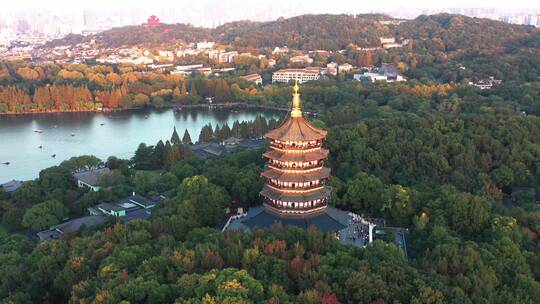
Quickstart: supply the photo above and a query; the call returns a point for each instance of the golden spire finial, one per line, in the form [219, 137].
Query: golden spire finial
[296, 112]
[296, 87]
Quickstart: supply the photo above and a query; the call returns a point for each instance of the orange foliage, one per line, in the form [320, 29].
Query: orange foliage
[277, 248]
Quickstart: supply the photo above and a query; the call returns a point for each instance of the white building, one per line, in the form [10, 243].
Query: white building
[227, 57]
[188, 67]
[372, 77]
[345, 68]
[89, 179]
[165, 53]
[302, 75]
[205, 45]
[282, 50]
[256, 78]
[385, 40]
[304, 59]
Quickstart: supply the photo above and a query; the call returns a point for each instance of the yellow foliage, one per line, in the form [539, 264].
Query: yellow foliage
[76, 262]
[102, 297]
[70, 74]
[28, 73]
[430, 89]
[114, 78]
[232, 284]
[208, 299]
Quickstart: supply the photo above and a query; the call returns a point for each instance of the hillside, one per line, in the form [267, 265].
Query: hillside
[307, 32]
[329, 32]
[444, 47]
[141, 35]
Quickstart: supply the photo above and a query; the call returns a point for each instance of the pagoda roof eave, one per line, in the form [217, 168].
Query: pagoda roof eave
[271, 173]
[294, 157]
[296, 129]
[271, 193]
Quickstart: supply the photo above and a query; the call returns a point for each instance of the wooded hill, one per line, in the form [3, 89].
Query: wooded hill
[329, 32]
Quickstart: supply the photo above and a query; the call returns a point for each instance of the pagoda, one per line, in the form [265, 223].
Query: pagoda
[153, 21]
[295, 174]
[295, 193]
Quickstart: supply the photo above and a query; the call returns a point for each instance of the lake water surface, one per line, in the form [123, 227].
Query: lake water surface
[99, 134]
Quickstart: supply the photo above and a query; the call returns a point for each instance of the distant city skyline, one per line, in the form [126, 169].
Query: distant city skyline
[239, 7]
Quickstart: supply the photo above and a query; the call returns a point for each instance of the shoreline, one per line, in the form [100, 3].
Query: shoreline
[175, 107]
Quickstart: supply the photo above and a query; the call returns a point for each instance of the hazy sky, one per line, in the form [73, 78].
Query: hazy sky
[316, 5]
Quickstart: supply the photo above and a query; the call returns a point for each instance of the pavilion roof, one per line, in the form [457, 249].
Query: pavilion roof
[296, 129]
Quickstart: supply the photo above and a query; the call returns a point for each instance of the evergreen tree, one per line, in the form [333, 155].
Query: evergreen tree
[259, 126]
[236, 129]
[193, 89]
[186, 139]
[159, 154]
[175, 139]
[225, 131]
[217, 134]
[183, 92]
[222, 92]
[206, 133]
[172, 154]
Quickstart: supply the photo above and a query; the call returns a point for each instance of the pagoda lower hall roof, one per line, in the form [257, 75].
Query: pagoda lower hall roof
[271, 173]
[330, 220]
[296, 129]
[271, 193]
[296, 157]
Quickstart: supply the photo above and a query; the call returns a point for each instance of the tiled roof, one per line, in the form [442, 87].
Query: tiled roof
[57, 232]
[324, 222]
[140, 214]
[91, 177]
[11, 186]
[296, 129]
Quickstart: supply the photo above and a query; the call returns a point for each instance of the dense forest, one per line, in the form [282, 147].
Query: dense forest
[433, 155]
[436, 159]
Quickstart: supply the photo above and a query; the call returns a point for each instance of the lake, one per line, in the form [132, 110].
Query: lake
[100, 134]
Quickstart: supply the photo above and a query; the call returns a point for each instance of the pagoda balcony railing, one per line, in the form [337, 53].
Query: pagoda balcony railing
[293, 189]
[294, 166]
[296, 206]
[296, 147]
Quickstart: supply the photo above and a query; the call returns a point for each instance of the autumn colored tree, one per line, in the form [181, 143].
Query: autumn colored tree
[186, 139]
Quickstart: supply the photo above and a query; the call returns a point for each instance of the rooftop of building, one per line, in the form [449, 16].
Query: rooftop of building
[90, 177]
[11, 186]
[306, 71]
[71, 226]
[130, 203]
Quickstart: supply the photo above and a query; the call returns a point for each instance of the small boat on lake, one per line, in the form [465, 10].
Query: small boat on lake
[72, 134]
[38, 131]
[40, 147]
[6, 163]
[102, 124]
[53, 156]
